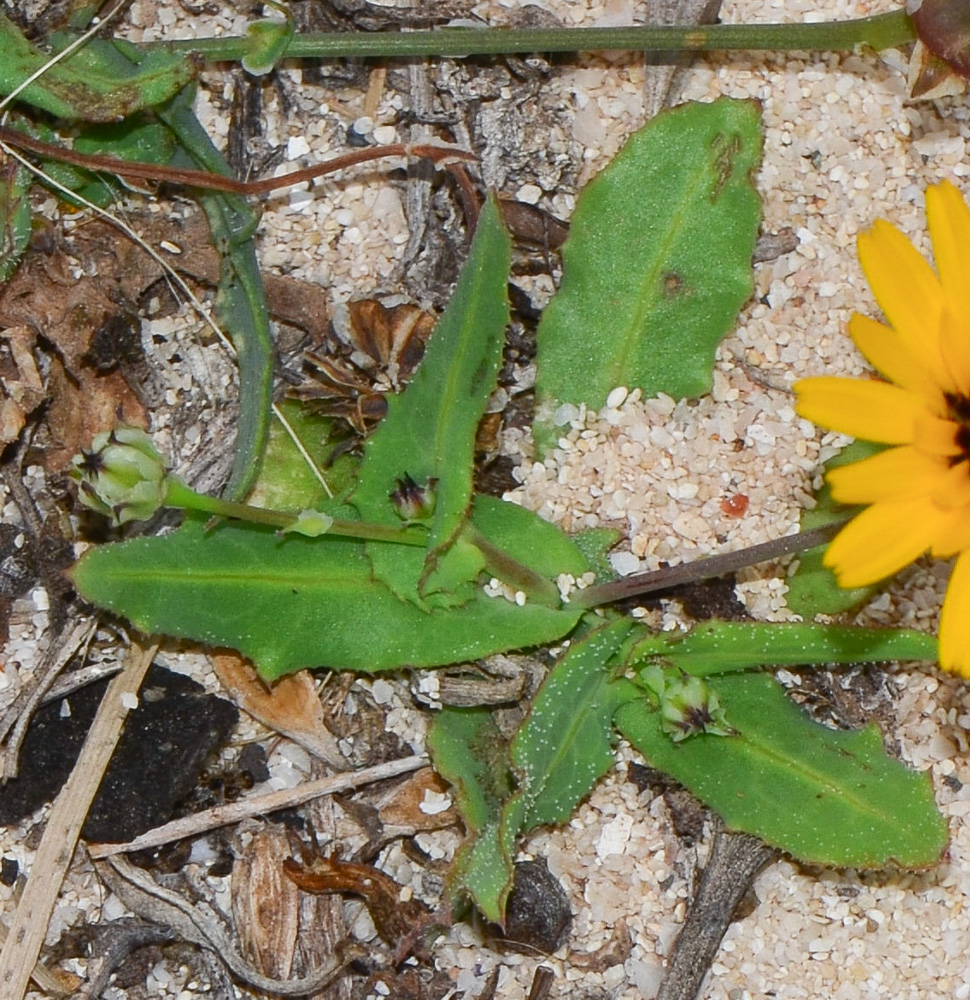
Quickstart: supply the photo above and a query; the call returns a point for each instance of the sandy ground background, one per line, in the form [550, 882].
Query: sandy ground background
[843, 147]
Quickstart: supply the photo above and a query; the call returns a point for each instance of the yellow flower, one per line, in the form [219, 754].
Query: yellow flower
[918, 491]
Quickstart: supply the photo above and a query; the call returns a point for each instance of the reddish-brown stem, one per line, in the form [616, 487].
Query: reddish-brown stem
[445, 156]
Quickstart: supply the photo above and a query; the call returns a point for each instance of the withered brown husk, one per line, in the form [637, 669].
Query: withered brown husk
[377, 353]
[943, 27]
[396, 919]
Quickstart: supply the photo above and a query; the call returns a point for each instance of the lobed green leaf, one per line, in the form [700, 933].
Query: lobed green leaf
[561, 750]
[105, 80]
[429, 430]
[470, 752]
[296, 602]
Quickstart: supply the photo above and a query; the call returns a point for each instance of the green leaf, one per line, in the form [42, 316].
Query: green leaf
[658, 260]
[532, 541]
[429, 430]
[562, 748]
[297, 602]
[138, 138]
[470, 753]
[565, 744]
[268, 43]
[102, 81]
[812, 588]
[595, 544]
[286, 481]
[827, 797]
[718, 647]
[15, 227]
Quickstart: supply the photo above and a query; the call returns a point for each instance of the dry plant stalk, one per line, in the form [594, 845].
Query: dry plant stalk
[53, 858]
[257, 805]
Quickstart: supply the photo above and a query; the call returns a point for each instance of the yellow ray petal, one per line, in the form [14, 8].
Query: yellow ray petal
[875, 411]
[952, 490]
[890, 354]
[955, 620]
[935, 436]
[955, 346]
[895, 474]
[881, 541]
[953, 533]
[908, 292]
[949, 223]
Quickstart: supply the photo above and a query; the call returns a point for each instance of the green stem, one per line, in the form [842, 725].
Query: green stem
[702, 569]
[879, 32]
[179, 495]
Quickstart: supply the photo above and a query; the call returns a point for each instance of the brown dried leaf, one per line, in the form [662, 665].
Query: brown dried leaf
[396, 918]
[46, 297]
[375, 350]
[82, 405]
[22, 389]
[291, 707]
[411, 806]
[393, 337]
[265, 904]
[91, 275]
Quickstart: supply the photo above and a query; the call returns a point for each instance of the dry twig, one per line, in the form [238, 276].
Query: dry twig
[53, 858]
[258, 805]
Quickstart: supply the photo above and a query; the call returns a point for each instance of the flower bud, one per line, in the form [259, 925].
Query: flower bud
[413, 502]
[122, 476]
[689, 706]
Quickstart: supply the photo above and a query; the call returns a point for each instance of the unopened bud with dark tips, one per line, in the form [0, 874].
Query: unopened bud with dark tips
[413, 503]
[689, 706]
[122, 476]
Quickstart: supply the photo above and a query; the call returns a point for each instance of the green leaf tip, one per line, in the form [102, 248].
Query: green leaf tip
[268, 42]
[428, 435]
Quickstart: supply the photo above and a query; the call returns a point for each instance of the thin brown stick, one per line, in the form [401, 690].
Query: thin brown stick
[53, 857]
[704, 569]
[441, 155]
[258, 805]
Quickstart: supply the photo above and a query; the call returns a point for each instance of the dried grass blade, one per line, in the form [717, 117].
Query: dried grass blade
[53, 858]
